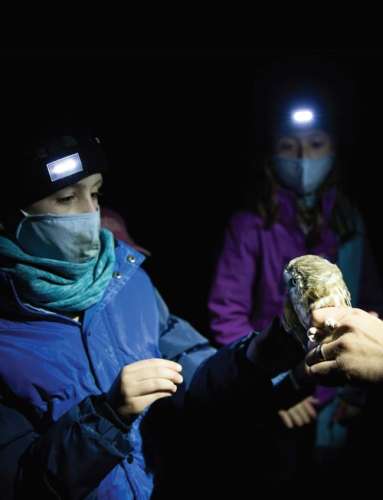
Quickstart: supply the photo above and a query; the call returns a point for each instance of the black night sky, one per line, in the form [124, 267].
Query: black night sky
[177, 127]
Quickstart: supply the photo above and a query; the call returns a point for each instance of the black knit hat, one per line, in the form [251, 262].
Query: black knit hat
[36, 167]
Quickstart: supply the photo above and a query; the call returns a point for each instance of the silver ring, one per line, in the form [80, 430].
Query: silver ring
[319, 354]
[316, 355]
[322, 352]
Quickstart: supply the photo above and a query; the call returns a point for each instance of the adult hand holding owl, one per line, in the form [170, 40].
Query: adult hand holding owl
[354, 353]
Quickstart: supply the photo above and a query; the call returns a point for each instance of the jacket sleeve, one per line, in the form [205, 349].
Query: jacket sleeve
[68, 459]
[210, 376]
[229, 377]
[180, 342]
[231, 295]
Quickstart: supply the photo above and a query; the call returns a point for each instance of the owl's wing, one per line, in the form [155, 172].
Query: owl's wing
[292, 324]
[290, 318]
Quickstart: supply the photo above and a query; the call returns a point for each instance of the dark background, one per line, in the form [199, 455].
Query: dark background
[178, 129]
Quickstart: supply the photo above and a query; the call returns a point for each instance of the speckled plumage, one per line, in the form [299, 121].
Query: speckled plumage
[312, 282]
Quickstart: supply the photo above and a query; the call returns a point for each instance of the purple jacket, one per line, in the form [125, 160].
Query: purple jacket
[248, 290]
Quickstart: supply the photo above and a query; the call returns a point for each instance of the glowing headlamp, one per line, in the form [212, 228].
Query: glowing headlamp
[68, 165]
[302, 117]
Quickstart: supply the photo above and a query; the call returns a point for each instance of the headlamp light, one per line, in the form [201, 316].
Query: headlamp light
[63, 167]
[302, 117]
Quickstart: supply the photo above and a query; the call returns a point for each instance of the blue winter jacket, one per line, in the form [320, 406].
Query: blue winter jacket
[59, 435]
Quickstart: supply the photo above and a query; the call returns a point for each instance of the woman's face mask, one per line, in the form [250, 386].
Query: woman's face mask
[302, 161]
[303, 175]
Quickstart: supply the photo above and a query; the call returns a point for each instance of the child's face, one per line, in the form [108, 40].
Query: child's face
[312, 144]
[81, 197]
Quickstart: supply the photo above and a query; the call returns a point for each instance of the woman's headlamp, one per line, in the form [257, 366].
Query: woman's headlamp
[303, 117]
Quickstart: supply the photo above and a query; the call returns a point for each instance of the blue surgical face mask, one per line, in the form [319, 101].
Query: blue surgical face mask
[302, 175]
[71, 238]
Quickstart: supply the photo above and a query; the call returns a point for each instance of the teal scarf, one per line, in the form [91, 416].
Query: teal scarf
[57, 285]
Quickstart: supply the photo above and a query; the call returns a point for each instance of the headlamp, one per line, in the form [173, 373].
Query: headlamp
[61, 168]
[302, 117]
[48, 163]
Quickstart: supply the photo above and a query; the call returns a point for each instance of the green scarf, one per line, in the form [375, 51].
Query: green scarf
[57, 285]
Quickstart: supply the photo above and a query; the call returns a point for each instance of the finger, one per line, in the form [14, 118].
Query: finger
[286, 419]
[158, 372]
[151, 386]
[300, 410]
[329, 351]
[328, 374]
[324, 368]
[152, 363]
[140, 403]
[313, 401]
[374, 313]
[320, 316]
[310, 409]
[316, 355]
[295, 416]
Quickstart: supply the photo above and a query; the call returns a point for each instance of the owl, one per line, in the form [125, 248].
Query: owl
[312, 282]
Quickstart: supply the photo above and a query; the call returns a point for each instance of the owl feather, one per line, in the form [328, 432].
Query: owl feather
[312, 283]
